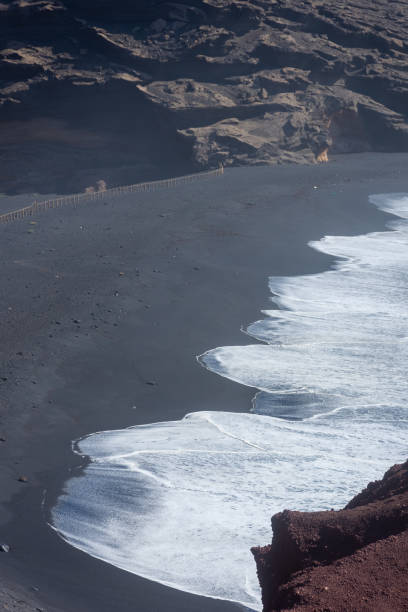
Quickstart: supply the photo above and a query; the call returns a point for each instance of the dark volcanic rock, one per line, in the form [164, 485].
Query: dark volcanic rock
[351, 559]
[155, 87]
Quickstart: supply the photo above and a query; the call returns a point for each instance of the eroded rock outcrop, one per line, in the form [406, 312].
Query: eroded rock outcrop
[146, 88]
[351, 559]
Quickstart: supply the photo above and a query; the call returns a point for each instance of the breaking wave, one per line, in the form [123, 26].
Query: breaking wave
[182, 502]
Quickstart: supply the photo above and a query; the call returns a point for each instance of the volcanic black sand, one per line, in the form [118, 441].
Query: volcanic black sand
[97, 302]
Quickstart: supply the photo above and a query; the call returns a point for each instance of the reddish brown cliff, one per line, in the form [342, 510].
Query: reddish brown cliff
[351, 559]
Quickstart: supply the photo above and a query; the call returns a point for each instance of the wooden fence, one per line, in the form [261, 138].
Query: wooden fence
[74, 200]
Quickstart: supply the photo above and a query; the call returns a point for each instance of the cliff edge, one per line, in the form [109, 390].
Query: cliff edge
[355, 559]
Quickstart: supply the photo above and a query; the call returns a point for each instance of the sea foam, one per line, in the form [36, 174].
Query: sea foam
[182, 502]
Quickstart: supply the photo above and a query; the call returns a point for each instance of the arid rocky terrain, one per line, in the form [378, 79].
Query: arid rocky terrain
[352, 559]
[135, 90]
[151, 88]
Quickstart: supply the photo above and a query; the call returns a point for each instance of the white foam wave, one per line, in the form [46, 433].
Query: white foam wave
[182, 502]
[187, 503]
[339, 337]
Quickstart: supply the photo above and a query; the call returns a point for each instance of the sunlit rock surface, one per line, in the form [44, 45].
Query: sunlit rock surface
[155, 88]
[352, 559]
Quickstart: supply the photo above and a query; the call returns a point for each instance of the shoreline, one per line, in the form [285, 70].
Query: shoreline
[218, 253]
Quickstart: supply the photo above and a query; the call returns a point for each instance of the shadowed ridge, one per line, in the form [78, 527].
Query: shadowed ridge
[155, 89]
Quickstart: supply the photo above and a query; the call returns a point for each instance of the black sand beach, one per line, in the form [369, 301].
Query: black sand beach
[100, 301]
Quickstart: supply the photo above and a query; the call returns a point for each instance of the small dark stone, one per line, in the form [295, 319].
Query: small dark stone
[22, 479]
[151, 383]
[2, 439]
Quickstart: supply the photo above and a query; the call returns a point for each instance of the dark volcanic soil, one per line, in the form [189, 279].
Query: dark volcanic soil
[354, 559]
[97, 301]
[152, 87]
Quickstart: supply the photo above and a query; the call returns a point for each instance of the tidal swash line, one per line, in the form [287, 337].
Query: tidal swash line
[182, 502]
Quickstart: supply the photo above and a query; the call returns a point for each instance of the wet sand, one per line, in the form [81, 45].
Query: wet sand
[98, 302]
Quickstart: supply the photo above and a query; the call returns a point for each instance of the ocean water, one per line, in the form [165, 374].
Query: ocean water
[182, 502]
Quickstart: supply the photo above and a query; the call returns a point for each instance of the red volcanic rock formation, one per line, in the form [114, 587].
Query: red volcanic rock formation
[354, 559]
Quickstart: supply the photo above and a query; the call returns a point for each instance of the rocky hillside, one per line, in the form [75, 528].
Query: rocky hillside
[126, 90]
[352, 559]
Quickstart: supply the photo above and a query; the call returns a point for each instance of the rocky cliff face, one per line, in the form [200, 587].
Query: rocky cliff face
[352, 559]
[125, 90]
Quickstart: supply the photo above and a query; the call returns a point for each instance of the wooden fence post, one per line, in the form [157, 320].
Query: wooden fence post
[75, 199]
